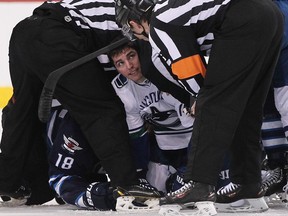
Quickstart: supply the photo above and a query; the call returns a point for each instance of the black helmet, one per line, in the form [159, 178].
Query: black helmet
[126, 10]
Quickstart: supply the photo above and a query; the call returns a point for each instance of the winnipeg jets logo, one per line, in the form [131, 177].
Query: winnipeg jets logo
[70, 144]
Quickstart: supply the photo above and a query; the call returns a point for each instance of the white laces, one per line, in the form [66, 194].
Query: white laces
[145, 184]
[185, 187]
[272, 177]
[228, 188]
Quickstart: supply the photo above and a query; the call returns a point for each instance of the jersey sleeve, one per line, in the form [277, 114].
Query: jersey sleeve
[177, 46]
[134, 121]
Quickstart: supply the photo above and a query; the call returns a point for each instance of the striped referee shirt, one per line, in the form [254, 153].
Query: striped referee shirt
[96, 15]
[181, 32]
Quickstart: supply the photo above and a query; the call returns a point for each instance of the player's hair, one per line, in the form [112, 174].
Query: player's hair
[119, 49]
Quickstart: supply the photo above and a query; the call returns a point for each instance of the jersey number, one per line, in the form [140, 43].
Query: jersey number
[65, 163]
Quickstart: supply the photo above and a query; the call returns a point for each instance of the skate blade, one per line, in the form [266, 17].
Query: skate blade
[130, 203]
[189, 209]
[13, 202]
[277, 199]
[243, 205]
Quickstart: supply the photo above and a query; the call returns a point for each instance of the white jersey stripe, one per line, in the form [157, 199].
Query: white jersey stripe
[173, 51]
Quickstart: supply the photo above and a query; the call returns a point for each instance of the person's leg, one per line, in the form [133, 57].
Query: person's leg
[21, 127]
[238, 61]
[88, 95]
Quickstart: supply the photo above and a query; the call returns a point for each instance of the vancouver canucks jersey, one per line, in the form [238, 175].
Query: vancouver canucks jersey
[144, 102]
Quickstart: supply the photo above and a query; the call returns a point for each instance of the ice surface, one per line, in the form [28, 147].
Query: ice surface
[52, 208]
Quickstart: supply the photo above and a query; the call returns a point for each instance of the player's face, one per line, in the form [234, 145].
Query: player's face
[128, 64]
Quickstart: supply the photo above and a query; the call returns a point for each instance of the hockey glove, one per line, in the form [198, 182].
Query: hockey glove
[98, 196]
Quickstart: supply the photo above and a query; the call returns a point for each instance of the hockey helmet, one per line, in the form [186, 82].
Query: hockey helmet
[126, 10]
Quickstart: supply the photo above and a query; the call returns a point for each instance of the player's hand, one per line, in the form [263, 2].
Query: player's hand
[193, 108]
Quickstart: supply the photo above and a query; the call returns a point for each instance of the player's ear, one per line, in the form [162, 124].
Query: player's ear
[134, 25]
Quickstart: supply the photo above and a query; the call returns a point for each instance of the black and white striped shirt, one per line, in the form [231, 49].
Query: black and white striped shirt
[182, 32]
[95, 15]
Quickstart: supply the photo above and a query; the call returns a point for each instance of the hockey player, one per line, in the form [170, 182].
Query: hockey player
[167, 117]
[74, 170]
[229, 104]
[56, 34]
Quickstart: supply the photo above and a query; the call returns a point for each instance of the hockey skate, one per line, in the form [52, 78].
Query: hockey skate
[137, 197]
[15, 198]
[194, 198]
[241, 198]
[275, 181]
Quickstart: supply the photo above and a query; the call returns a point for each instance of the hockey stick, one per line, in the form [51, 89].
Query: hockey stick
[46, 97]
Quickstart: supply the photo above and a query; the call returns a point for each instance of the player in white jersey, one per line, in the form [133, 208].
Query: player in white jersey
[145, 103]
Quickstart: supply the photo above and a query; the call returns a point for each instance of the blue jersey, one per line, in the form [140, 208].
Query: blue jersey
[275, 121]
[74, 170]
[280, 79]
[281, 73]
[72, 163]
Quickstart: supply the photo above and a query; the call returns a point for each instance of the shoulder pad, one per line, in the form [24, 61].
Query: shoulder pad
[120, 81]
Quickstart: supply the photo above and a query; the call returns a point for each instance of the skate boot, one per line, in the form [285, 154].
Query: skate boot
[141, 196]
[192, 195]
[15, 198]
[241, 198]
[174, 182]
[273, 181]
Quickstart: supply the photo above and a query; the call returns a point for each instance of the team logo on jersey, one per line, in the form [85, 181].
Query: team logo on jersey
[70, 144]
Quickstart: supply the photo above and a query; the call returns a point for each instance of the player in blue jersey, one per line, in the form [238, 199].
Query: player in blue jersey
[75, 172]
[58, 33]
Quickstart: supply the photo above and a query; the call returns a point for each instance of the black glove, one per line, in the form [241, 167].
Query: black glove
[99, 196]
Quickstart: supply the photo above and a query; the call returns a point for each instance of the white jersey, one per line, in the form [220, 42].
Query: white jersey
[145, 102]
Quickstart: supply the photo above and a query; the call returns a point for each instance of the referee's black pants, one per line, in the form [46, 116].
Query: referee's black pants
[229, 105]
[39, 45]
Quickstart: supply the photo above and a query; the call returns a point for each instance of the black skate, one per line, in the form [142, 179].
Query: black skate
[137, 197]
[15, 198]
[273, 181]
[241, 198]
[191, 195]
